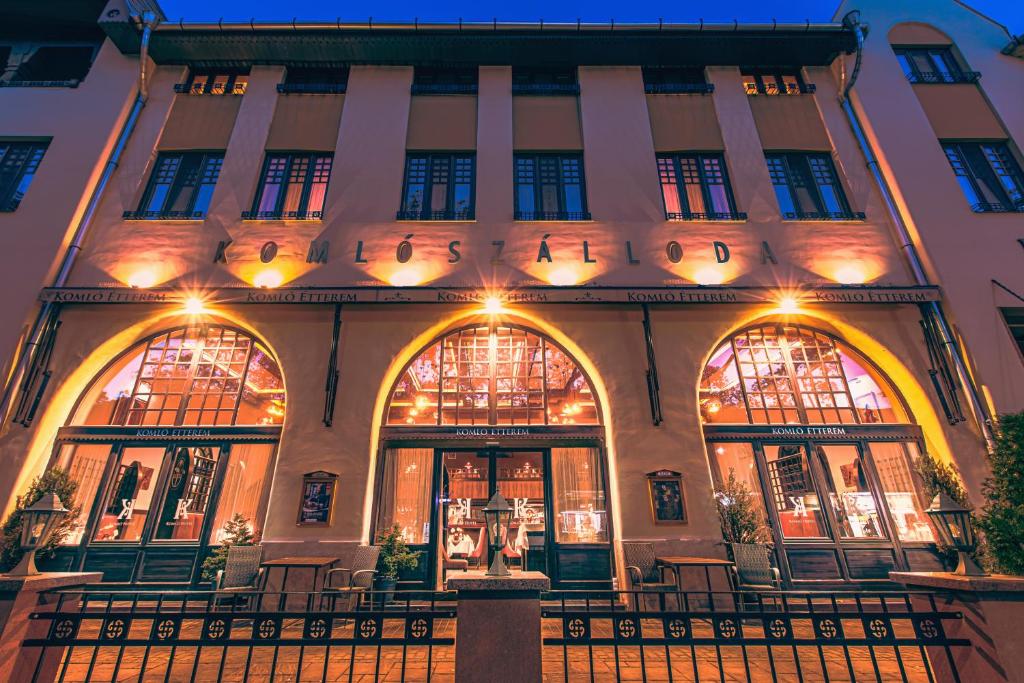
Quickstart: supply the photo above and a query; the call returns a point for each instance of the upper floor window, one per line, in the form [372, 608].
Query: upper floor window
[1014, 318]
[988, 175]
[314, 80]
[550, 187]
[181, 186]
[293, 185]
[695, 187]
[214, 82]
[932, 65]
[807, 187]
[772, 82]
[47, 65]
[544, 81]
[438, 187]
[427, 80]
[18, 164]
[665, 80]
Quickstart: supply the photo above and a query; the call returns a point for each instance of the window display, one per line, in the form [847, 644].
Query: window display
[852, 500]
[405, 494]
[187, 493]
[793, 492]
[893, 462]
[130, 499]
[84, 463]
[579, 497]
[243, 487]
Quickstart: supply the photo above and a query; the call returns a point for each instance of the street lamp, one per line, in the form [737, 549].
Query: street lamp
[953, 523]
[40, 519]
[497, 514]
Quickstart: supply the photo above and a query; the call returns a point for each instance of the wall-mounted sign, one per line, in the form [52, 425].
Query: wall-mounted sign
[668, 505]
[316, 503]
[592, 294]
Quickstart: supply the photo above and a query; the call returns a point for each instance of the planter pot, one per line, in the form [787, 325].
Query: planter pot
[385, 589]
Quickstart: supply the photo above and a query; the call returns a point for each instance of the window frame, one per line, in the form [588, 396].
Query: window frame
[232, 84]
[426, 213]
[532, 80]
[805, 173]
[953, 73]
[302, 212]
[688, 215]
[303, 80]
[777, 85]
[665, 80]
[21, 179]
[538, 214]
[206, 156]
[1007, 158]
[427, 80]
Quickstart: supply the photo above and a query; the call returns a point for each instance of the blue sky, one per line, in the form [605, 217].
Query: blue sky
[1008, 12]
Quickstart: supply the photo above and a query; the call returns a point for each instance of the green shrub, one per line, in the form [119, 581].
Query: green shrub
[394, 554]
[52, 481]
[236, 532]
[739, 513]
[1002, 517]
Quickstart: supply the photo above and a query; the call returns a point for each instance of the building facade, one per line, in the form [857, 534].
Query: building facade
[344, 278]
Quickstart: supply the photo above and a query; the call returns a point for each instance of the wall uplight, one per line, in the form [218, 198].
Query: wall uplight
[142, 279]
[850, 275]
[564, 277]
[268, 278]
[788, 304]
[493, 305]
[194, 306]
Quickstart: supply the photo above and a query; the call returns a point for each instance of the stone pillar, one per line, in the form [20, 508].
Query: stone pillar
[991, 608]
[20, 596]
[497, 636]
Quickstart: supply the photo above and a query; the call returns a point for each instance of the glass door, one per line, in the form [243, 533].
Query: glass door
[466, 488]
[520, 475]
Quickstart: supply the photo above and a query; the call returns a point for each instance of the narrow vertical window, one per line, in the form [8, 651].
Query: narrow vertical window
[18, 164]
[550, 187]
[696, 187]
[293, 186]
[438, 187]
[180, 187]
[807, 187]
[988, 175]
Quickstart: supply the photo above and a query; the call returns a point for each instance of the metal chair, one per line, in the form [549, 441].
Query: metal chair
[355, 580]
[241, 575]
[644, 573]
[753, 571]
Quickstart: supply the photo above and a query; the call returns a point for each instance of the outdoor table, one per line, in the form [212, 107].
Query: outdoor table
[677, 563]
[303, 562]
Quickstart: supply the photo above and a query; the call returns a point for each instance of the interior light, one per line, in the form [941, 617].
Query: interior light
[493, 305]
[788, 304]
[268, 279]
[142, 279]
[194, 306]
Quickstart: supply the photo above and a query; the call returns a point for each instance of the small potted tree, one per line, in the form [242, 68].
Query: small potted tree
[738, 514]
[236, 532]
[394, 557]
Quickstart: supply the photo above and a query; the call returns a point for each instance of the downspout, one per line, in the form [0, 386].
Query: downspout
[31, 347]
[947, 340]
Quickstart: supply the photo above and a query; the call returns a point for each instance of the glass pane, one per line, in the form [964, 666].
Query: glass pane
[415, 184]
[570, 398]
[737, 459]
[1006, 171]
[899, 485]
[128, 504]
[242, 491]
[792, 492]
[273, 178]
[414, 400]
[780, 181]
[852, 500]
[84, 463]
[525, 179]
[184, 183]
[189, 488]
[669, 186]
[520, 478]
[721, 397]
[296, 185]
[439, 176]
[466, 492]
[580, 507]
[160, 185]
[405, 495]
[905, 62]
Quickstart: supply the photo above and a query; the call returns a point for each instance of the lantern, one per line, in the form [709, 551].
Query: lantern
[953, 522]
[39, 520]
[498, 515]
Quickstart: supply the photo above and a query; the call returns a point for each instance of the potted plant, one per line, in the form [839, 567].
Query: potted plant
[394, 557]
[236, 532]
[738, 513]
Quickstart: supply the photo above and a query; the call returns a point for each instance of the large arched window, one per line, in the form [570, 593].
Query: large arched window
[198, 375]
[788, 374]
[497, 374]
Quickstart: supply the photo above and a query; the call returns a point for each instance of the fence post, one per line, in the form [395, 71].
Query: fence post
[497, 633]
[20, 596]
[992, 607]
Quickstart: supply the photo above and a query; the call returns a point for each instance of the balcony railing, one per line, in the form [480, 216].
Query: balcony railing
[204, 89]
[775, 89]
[679, 88]
[312, 88]
[545, 89]
[463, 215]
[997, 207]
[444, 88]
[824, 216]
[552, 215]
[70, 83]
[163, 215]
[937, 77]
[712, 216]
[282, 215]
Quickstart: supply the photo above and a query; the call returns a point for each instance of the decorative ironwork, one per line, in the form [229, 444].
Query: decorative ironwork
[282, 215]
[714, 216]
[552, 215]
[70, 83]
[824, 216]
[679, 88]
[163, 215]
[312, 88]
[454, 215]
[944, 77]
[996, 207]
[546, 89]
[444, 88]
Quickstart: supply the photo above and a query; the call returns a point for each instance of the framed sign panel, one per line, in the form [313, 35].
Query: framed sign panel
[316, 502]
[668, 504]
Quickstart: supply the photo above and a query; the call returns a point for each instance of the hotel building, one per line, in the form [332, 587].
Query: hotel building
[338, 277]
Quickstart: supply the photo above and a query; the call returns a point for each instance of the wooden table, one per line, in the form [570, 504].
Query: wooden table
[301, 562]
[677, 563]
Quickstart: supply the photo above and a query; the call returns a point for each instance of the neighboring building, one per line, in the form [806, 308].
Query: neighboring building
[346, 277]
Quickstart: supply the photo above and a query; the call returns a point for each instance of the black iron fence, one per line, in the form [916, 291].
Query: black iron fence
[93, 635]
[773, 636]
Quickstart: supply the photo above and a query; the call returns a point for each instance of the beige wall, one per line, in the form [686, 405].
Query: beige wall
[958, 111]
[200, 122]
[546, 123]
[684, 122]
[789, 123]
[305, 122]
[442, 122]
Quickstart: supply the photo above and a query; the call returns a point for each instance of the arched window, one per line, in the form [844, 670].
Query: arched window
[788, 374]
[497, 374]
[198, 375]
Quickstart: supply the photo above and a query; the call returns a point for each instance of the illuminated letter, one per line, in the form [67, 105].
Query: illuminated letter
[721, 252]
[317, 252]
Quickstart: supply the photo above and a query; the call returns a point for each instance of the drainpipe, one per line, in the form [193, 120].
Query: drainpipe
[28, 352]
[947, 340]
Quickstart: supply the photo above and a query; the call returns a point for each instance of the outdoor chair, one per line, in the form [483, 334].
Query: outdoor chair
[352, 582]
[241, 575]
[753, 571]
[644, 574]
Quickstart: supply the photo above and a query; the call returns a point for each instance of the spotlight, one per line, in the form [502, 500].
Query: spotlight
[268, 279]
[788, 304]
[194, 306]
[493, 305]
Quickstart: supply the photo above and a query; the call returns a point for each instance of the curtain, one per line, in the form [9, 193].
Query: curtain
[405, 494]
[579, 500]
